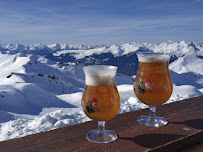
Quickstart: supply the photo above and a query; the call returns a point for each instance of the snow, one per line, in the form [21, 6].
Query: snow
[183, 92]
[39, 93]
[176, 48]
[187, 64]
[22, 127]
[72, 98]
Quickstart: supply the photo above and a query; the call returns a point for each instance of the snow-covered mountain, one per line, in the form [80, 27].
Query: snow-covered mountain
[116, 50]
[26, 49]
[41, 85]
[101, 54]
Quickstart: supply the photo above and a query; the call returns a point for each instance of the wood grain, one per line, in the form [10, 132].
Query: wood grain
[185, 130]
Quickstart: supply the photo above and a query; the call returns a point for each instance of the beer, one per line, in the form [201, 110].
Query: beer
[153, 85]
[101, 103]
[101, 100]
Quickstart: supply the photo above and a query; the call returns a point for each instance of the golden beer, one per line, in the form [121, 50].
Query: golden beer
[153, 85]
[101, 103]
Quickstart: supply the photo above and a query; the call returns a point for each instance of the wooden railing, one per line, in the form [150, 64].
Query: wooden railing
[184, 132]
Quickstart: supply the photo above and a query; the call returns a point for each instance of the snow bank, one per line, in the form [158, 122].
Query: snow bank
[22, 127]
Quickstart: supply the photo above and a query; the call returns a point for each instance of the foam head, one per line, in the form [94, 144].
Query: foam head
[153, 57]
[99, 75]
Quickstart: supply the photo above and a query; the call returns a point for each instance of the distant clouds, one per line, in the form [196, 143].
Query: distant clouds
[100, 21]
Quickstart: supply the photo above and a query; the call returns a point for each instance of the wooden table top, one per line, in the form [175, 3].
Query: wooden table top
[184, 132]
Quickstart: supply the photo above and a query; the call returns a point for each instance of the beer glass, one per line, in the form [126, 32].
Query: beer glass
[101, 100]
[153, 85]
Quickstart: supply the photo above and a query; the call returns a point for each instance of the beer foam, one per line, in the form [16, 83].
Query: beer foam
[153, 58]
[99, 75]
[99, 81]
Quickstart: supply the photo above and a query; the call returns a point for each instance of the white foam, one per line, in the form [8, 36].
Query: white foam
[153, 58]
[100, 75]
[99, 81]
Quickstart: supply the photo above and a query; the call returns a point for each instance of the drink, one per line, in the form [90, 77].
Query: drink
[101, 103]
[153, 85]
[155, 77]
[100, 100]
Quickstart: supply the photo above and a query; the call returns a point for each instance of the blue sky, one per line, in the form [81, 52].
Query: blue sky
[100, 21]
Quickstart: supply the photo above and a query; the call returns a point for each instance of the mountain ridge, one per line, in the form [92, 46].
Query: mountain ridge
[116, 49]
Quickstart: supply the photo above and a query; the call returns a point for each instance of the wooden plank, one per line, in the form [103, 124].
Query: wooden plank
[196, 148]
[185, 126]
[180, 144]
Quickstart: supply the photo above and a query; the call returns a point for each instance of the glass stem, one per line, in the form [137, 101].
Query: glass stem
[152, 113]
[101, 126]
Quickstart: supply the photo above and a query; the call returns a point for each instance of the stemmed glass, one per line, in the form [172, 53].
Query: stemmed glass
[153, 85]
[101, 100]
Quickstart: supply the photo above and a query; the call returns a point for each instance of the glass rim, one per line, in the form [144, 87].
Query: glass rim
[153, 57]
[100, 67]
[154, 53]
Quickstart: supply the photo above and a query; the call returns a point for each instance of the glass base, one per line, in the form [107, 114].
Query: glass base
[101, 137]
[152, 121]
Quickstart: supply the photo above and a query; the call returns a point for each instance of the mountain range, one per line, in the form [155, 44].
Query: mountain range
[41, 86]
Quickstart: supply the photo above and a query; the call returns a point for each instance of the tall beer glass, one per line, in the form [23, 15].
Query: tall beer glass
[153, 85]
[100, 100]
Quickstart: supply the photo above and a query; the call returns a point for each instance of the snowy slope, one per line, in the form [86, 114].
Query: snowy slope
[186, 64]
[41, 86]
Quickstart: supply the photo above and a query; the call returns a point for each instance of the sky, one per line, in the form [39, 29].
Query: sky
[100, 21]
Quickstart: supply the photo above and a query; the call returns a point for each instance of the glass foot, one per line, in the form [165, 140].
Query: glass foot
[152, 121]
[101, 137]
